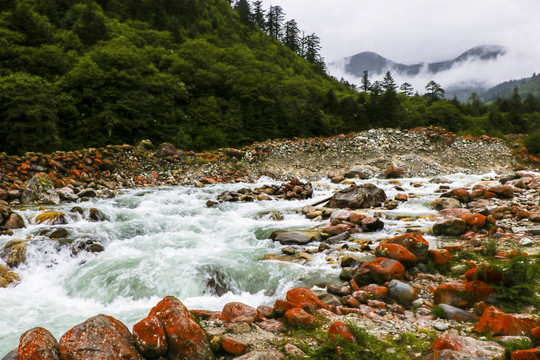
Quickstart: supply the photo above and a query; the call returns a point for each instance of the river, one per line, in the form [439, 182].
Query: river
[166, 241]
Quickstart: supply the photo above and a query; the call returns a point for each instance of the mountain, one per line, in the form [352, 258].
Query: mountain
[525, 86]
[376, 64]
[195, 73]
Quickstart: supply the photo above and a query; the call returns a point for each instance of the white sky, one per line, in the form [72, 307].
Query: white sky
[413, 31]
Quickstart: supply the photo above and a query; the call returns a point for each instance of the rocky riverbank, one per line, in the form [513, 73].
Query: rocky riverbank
[474, 297]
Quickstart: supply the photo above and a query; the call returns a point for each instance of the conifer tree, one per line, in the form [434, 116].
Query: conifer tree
[291, 37]
[365, 82]
[243, 9]
[274, 22]
[258, 14]
[406, 89]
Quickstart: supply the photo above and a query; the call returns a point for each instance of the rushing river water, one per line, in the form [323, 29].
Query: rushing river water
[165, 241]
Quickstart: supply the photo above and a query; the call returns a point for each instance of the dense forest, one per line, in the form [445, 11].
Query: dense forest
[199, 74]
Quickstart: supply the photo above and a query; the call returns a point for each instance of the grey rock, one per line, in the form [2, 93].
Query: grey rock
[262, 355]
[89, 193]
[295, 237]
[445, 203]
[450, 227]
[358, 197]
[457, 314]
[403, 293]
[67, 194]
[40, 190]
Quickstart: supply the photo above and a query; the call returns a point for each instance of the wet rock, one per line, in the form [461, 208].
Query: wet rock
[338, 290]
[87, 193]
[60, 233]
[445, 203]
[373, 291]
[266, 311]
[305, 299]
[40, 190]
[339, 329]
[88, 245]
[297, 317]
[235, 311]
[459, 194]
[186, 340]
[14, 253]
[472, 219]
[150, 337]
[51, 218]
[100, 337]
[450, 227]
[382, 269]
[295, 237]
[414, 242]
[457, 314]
[358, 197]
[96, 215]
[372, 224]
[462, 345]
[396, 252]
[496, 322]
[7, 276]
[38, 343]
[12, 355]
[403, 293]
[14, 221]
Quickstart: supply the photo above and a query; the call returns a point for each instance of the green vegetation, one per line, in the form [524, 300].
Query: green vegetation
[438, 312]
[198, 74]
[366, 347]
[532, 142]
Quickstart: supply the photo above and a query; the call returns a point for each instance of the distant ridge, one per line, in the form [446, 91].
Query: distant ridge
[376, 64]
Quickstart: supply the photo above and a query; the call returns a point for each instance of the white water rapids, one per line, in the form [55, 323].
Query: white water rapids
[165, 241]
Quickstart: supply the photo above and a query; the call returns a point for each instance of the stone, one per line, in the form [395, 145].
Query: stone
[297, 317]
[185, 339]
[401, 197]
[472, 219]
[372, 291]
[440, 256]
[383, 269]
[403, 293]
[274, 326]
[51, 218]
[100, 337]
[60, 233]
[460, 194]
[14, 221]
[304, 298]
[371, 224]
[496, 322]
[262, 355]
[150, 337]
[266, 311]
[530, 354]
[341, 330]
[488, 275]
[396, 252]
[7, 276]
[479, 291]
[40, 191]
[12, 355]
[14, 253]
[452, 294]
[167, 149]
[450, 227]
[295, 237]
[293, 351]
[67, 194]
[87, 193]
[445, 203]
[414, 242]
[233, 310]
[468, 345]
[358, 197]
[233, 346]
[503, 191]
[38, 344]
[457, 314]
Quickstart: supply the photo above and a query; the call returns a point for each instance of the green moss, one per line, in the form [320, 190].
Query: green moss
[438, 312]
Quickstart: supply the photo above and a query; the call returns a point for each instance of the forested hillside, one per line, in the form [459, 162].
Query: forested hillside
[89, 73]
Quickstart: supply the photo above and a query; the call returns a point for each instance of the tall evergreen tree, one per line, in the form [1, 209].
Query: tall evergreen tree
[291, 37]
[243, 9]
[274, 22]
[406, 89]
[366, 85]
[434, 91]
[312, 47]
[258, 14]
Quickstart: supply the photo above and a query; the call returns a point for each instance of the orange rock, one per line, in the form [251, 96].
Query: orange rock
[150, 337]
[233, 310]
[496, 322]
[478, 290]
[38, 344]
[384, 269]
[341, 329]
[297, 317]
[440, 256]
[396, 252]
[233, 346]
[376, 292]
[477, 220]
[531, 354]
[305, 299]
[451, 293]
[413, 242]
[281, 306]
[488, 275]
[462, 347]
[186, 340]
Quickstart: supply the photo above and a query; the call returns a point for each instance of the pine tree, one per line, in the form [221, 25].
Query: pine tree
[243, 9]
[312, 47]
[406, 89]
[434, 91]
[366, 85]
[258, 14]
[291, 38]
[274, 22]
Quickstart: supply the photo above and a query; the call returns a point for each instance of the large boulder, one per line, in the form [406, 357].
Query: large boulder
[396, 252]
[358, 197]
[237, 311]
[14, 253]
[497, 322]
[414, 242]
[383, 269]
[445, 203]
[186, 340]
[100, 337]
[40, 190]
[402, 292]
[7, 276]
[150, 338]
[14, 221]
[295, 237]
[453, 294]
[38, 344]
[450, 227]
[305, 299]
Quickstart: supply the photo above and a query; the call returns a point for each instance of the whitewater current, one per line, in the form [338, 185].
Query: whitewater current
[166, 241]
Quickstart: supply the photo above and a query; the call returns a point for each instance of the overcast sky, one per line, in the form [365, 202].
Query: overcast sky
[413, 31]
